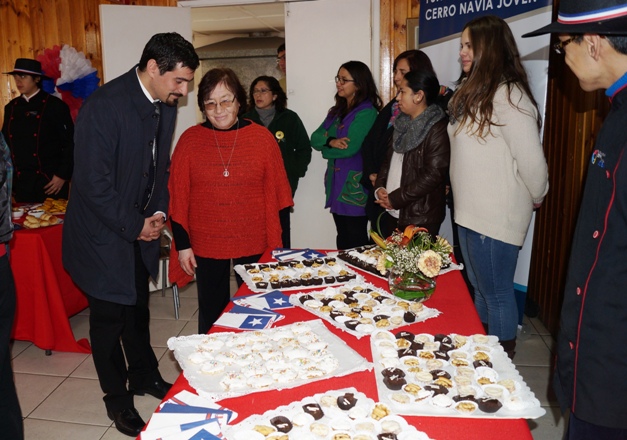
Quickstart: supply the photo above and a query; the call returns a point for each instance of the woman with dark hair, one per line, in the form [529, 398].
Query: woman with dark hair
[225, 194]
[268, 107]
[411, 184]
[339, 138]
[375, 146]
[498, 170]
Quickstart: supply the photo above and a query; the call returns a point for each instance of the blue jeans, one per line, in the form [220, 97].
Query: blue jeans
[490, 265]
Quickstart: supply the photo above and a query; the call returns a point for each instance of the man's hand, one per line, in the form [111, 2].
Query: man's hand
[152, 227]
[188, 261]
[54, 186]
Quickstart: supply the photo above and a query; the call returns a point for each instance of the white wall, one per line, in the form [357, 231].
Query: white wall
[122, 49]
[320, 36]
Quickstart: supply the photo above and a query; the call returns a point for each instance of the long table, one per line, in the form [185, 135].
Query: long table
[46, 295]
[451, 297]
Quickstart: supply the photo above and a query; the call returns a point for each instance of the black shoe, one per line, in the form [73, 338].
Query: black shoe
[127, 421]
[158, 388]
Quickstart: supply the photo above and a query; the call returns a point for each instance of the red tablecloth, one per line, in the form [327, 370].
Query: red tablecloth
[458, 316]
[46, 295]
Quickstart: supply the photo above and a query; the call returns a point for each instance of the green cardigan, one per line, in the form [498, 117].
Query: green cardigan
[289, 132]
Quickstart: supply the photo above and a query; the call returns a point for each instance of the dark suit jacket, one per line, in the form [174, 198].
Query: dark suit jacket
[112, 157]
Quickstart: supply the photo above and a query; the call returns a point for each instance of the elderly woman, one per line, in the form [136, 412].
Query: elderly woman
[225, 194]
[411, 184]
[268, 107]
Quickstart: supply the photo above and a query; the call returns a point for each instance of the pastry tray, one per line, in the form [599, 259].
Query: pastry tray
[360, 308]
[296, 275]
[365, 419]
[500, 381]
[227, 364]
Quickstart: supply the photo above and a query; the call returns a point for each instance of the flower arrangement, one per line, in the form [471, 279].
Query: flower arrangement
[413, 251]
[412, 259]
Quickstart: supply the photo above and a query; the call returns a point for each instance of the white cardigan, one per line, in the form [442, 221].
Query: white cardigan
[497, 180]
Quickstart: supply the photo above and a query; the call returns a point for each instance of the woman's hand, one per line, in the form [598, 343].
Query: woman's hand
[340, 144]
[188, 261]
[382, 199]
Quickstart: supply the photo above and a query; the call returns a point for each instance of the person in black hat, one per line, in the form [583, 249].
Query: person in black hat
[39, 130]
[591, 367]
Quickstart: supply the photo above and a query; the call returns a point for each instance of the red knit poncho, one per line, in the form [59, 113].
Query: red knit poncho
[234, 216]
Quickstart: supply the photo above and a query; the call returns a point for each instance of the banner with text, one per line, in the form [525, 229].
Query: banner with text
[441, 18]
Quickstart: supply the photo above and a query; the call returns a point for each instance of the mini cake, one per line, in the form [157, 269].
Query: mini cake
[346, 401]
[440, 373]
[314, 410]
[387, 372]
[405, 335]
[481, 363]
[488, 405]
[401, 398]
[394, 382]
[281, 423]
[319, 429]
[409, 316]
[264, 430]
[436, 389]
[379, 411]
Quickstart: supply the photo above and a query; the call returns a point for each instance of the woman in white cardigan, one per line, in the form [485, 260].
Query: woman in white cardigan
[498, 169]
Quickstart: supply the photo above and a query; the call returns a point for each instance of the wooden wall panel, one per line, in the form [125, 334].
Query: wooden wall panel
[31, 26]
[393, 33]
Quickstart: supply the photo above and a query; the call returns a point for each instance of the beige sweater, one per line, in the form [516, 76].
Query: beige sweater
[496, 181]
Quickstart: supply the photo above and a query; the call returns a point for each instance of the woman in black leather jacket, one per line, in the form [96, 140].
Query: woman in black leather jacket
[411, 184]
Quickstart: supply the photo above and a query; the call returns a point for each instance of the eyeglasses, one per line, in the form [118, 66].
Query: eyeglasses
[559, 46]
[260, 91]
[225, 104]
[343, 81]
[281, 58]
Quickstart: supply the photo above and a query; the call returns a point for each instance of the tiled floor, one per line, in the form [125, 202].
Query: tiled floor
[61, 399]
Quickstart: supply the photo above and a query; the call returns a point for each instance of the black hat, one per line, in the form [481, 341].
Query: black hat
[603, 17]
[28, 66]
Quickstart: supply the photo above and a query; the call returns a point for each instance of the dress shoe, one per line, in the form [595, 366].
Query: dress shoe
[127, 421]
[157, 388]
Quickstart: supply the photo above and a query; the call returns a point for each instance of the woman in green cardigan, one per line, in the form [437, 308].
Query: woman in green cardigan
[268, 107]
[339, 139]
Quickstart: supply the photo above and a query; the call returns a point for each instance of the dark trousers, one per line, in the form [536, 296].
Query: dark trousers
[11, 427]
[108, 324]
[213, 283]
[351, 231]
[284, 218]
[581, 430]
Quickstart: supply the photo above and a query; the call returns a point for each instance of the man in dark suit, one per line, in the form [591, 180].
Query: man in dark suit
[116, 213]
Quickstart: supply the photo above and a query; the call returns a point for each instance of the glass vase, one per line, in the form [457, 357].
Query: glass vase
[411, 286]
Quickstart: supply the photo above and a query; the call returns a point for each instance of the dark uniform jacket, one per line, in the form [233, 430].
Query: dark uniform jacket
[113, 155]
[40, 134]
[591, 369]
[421, 197]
